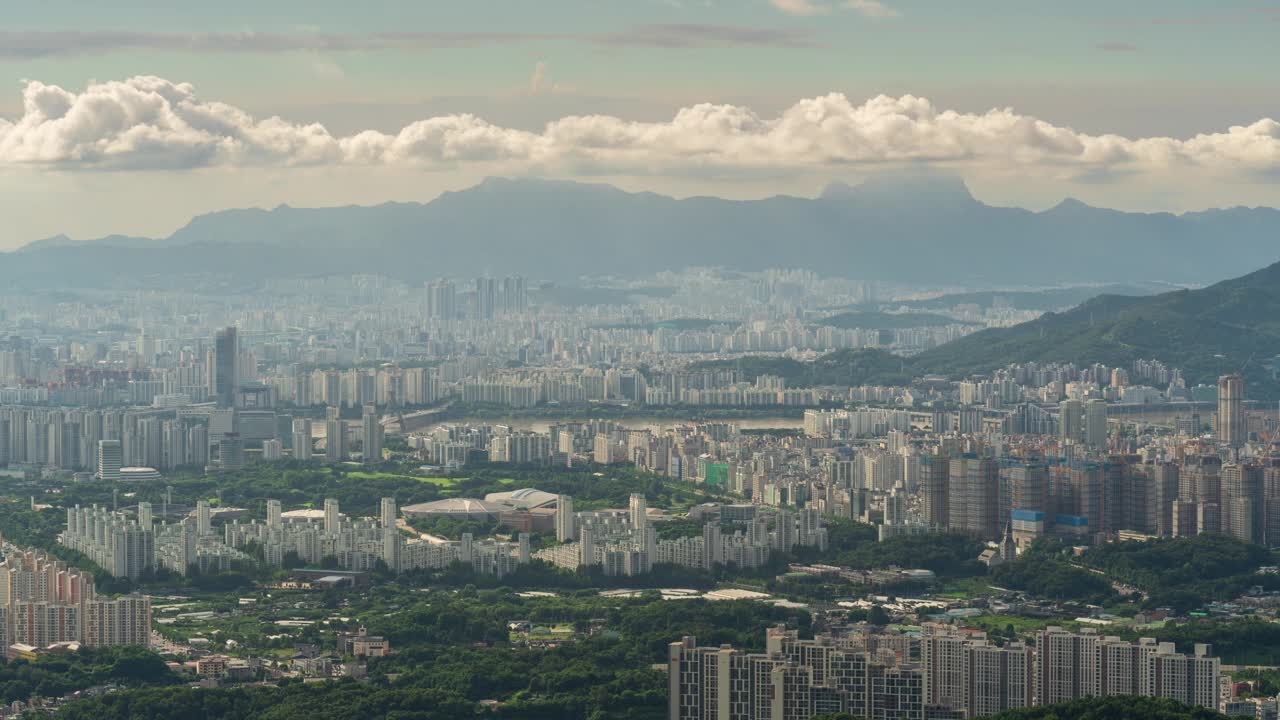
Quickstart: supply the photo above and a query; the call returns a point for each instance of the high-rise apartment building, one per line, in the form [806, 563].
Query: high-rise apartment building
[332, 517]
[968, 673]
[1231, 428]
[935, 474]
[1095, 423]
[301, 437]
[335, 435]
[1242, 506]
[872, 675]
[638, 512]
[514, 298]
[486, 298]
[973, 497]
[566, 527]
[1070, 666]
[1071, 421]
[442, 301]
[371, 431]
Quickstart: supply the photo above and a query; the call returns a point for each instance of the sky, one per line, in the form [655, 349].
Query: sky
[131, 117]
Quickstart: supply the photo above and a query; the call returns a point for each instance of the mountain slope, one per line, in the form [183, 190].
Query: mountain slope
[876, 320]
[1208, 332]
[1043, 300]
[894, 228]
[1232, 326]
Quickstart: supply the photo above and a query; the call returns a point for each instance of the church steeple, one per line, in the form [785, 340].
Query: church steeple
[1008, 548]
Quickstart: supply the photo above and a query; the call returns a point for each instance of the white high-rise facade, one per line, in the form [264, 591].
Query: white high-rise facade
[638, 512]
[566, 531]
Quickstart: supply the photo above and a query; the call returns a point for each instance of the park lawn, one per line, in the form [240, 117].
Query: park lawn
[1021, 625]
[439, 481]
[966, 589]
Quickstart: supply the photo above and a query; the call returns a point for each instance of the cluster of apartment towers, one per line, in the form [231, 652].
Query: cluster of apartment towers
[129, 546]
[45, 603]
[941, 673]
[626, 543]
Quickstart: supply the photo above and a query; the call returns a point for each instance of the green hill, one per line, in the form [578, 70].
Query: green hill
[1212, 331]
[876, 320]
[843, 367]
[1208, 332]
[1043, 300]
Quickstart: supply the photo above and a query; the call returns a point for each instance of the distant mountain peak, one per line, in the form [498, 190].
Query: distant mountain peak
[1071, 204]
[898, 188]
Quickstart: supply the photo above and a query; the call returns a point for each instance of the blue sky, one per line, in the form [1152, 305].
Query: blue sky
[1139, 69]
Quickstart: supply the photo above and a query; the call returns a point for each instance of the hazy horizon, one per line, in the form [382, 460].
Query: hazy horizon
[625, 187]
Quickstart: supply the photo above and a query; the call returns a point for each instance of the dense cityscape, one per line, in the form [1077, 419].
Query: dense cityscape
[564, 360]
[738, 467]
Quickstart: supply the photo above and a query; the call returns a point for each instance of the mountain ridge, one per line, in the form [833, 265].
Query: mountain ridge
[897, 229]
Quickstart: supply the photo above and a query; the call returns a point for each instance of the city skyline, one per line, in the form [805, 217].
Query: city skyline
[139, 118]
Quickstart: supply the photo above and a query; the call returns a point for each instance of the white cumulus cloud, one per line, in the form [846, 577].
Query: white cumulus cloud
[799, 7]
[152, 123]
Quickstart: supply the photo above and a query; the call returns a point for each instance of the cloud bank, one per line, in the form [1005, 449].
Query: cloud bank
[869, 8]
[57, 43]
[149, 123]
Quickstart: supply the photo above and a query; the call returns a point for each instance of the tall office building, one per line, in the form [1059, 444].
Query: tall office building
[1231, 428]
[372, 435]
[110, 460]
[226, 367]
[231, 452]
